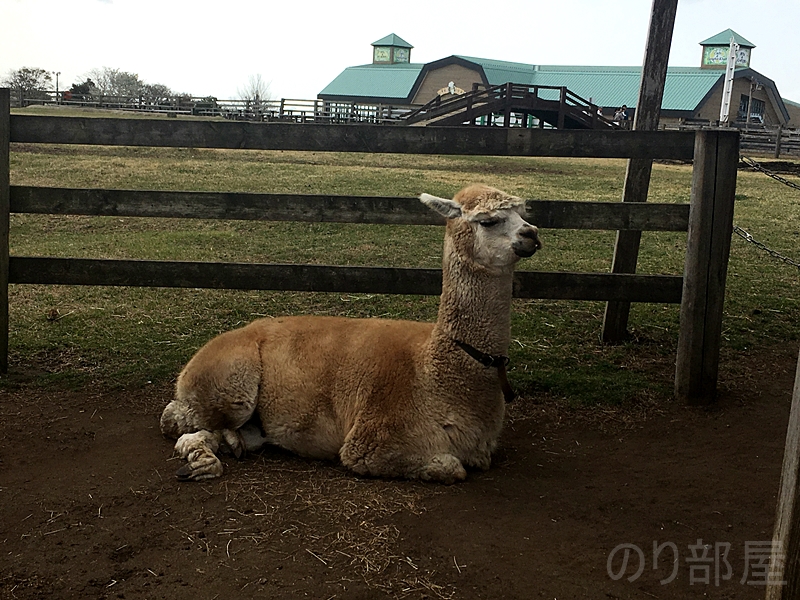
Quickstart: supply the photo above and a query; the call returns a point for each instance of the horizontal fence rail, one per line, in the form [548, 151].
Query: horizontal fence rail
[474, 141]
[546, 214]
[326, 278]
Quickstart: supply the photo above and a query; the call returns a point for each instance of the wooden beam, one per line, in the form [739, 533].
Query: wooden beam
[323, 278]
[474, 141]
[637, 176]
[5, 199]
[707, 250]
[224, 205]
[783, 581]
[566, 214]
[546, 214]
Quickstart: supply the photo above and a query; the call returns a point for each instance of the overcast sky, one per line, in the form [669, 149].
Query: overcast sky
[212, 48]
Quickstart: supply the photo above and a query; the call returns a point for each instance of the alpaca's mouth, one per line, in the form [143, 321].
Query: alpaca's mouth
[527, 248]
[524, 252]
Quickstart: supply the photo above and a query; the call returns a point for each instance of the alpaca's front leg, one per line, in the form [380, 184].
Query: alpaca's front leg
[199, 450]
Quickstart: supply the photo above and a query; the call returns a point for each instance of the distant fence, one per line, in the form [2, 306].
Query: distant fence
[759, 139]
[297, 111]
[771, 140]
[708, 218]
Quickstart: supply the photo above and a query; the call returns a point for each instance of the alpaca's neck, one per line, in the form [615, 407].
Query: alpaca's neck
[475, 306]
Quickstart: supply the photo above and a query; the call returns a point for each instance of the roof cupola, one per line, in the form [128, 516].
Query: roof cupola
[716, 48]
[390, 50]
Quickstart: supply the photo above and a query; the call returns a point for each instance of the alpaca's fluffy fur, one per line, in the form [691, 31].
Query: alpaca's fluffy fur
[387, 398]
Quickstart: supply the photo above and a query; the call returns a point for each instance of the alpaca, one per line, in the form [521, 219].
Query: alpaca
[387, 398]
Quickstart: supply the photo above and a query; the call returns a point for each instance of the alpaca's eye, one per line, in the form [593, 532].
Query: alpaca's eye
[489, 222]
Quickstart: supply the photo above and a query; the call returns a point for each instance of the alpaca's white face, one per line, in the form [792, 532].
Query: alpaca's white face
[502, 237]
[498, 233]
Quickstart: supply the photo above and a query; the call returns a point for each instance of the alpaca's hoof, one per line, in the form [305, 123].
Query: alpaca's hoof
[184, 473]
[201, 465]
[198, 449]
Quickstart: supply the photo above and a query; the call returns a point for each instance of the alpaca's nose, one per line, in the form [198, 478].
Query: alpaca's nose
[532, 232]
[528, 242]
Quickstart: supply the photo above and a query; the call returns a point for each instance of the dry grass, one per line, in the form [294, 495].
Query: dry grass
[343, 522]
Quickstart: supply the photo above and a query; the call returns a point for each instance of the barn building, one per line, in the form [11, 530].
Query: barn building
[692, 94]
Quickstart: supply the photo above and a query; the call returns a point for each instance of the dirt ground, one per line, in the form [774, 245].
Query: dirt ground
[90, 507]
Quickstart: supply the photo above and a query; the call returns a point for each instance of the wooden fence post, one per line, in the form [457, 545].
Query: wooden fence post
[716, 157]
[783, 582]
[5, 202]
[507, 106]
[637, 175]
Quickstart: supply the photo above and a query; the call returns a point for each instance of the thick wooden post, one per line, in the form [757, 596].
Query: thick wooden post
[5, 203]
[637, 176]
[716, 156]
[783, 582]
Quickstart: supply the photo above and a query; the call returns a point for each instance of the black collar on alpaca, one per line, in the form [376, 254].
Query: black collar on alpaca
[499, 362]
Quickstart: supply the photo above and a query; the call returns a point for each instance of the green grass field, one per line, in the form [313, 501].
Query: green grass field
[131, 337]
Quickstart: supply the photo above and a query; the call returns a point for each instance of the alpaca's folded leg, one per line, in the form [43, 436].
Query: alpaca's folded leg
[389, 462]
[248, 438]
[251, 437]
[199, 449]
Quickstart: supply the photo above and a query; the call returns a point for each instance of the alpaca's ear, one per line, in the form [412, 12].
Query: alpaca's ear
[449, 209]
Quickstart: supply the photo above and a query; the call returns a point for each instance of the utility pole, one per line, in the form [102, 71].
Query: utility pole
[637, 175]
[725, 108]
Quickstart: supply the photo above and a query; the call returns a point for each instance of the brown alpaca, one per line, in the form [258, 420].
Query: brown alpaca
[387, 398]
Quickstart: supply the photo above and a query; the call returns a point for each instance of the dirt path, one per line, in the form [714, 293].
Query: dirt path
[89, 508]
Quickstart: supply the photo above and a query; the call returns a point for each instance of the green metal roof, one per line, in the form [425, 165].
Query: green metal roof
[605, 86]
[375, 81]
[724, 38]
[392, 40]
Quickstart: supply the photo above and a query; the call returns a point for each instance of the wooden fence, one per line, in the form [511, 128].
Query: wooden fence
[757, 139]
[283, 109]
[708, 218]
[771, 140]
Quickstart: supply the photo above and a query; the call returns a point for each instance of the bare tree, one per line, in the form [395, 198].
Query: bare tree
[256, 94]
[114, 82]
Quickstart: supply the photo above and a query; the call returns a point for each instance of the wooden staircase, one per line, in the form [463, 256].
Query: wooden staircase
[555, 106]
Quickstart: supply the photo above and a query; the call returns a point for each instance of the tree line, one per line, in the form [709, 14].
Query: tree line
[37, 84]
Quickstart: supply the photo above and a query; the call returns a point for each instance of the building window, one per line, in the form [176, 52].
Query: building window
[757, 108]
